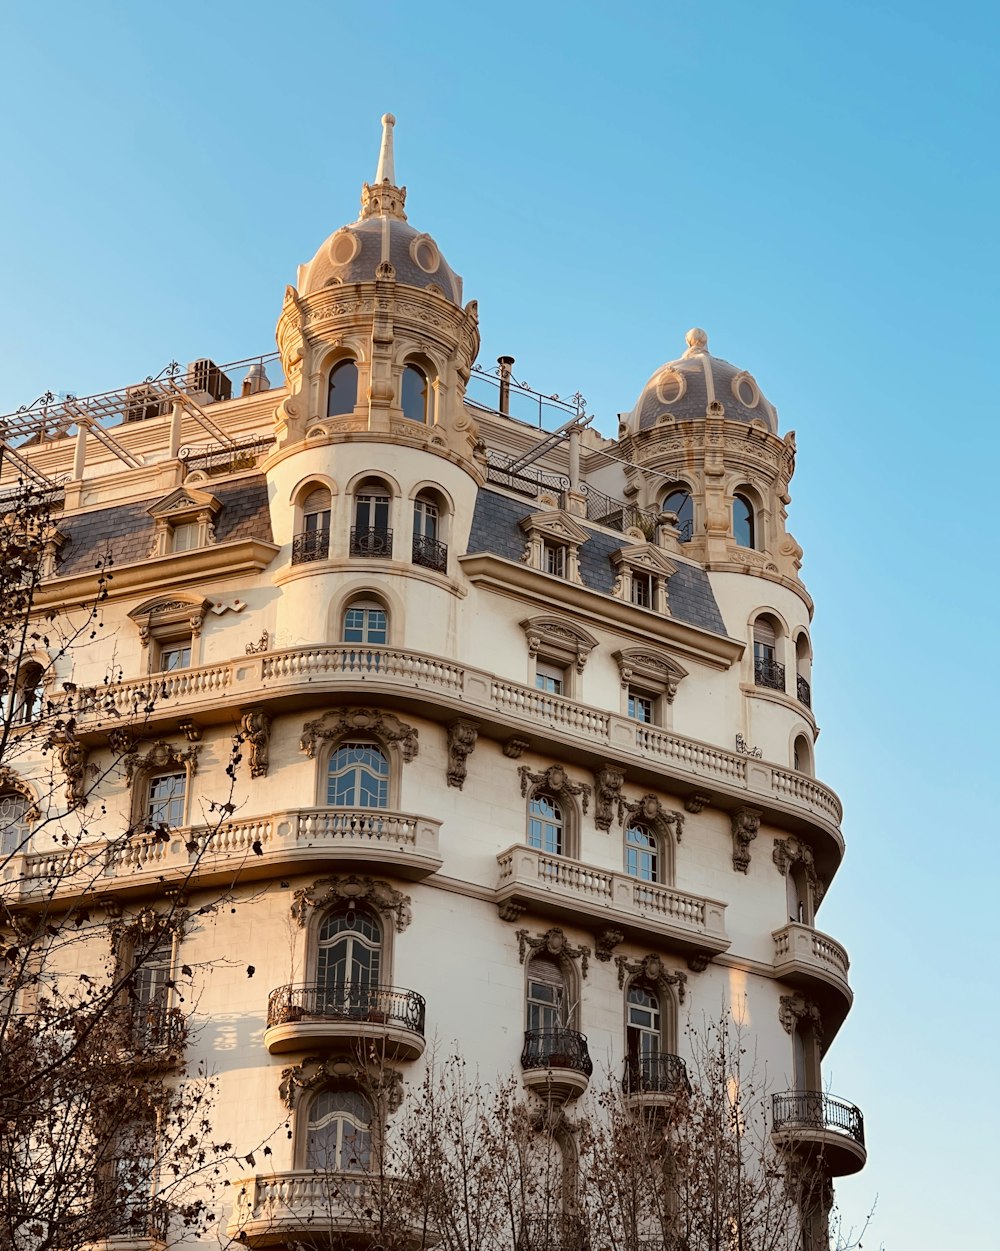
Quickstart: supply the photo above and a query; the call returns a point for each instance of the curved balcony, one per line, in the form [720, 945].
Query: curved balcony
[310, 545]
[556, 1063]
[829, 1131]
[430, 553]
[316, 1208]
[812, 961]
[346, 1017]
[655, 1080]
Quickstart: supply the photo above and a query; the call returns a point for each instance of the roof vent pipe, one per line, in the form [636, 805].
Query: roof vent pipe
[506, 364]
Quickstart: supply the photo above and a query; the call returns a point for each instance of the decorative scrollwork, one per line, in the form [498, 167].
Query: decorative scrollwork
[462, 736]
[343, 721]
[745, 823]
[553, 943]
[359, 890]
[650, 811]
[651, 970]
[554, 781]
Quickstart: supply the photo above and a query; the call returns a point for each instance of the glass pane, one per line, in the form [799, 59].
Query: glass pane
[545, 825]
[743, 522]
[425, 519]
[172, 658]
[358, 777]
[165, 805]
[343, 389]
[365, 625]
[680, 502]
[14, 827]
[415, 393]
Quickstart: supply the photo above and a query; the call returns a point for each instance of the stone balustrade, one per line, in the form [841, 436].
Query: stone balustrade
[312, 1203]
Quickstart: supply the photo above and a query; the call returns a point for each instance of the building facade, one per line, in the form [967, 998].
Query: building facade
[525, 717]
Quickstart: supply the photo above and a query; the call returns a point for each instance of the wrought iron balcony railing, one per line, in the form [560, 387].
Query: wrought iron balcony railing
[657, 1073]
[559, 1048]
[155, 1029]
[769, 673]
[310, 545]
[430, 553]
[371, 542]
[552, 1233]
[811, 1109]
[803, 690]
[346, 1001]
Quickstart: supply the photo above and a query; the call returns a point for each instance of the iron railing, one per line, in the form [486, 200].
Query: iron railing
[619, 515]
[552, 1233]
[430, 553]
[310, 545]
[769, 673]
[559, 1048]
[347, 1001]
[811, 1109]
[373, 542]
[155, 1029]
[659, 1072]
[216, 460]
[803, 690]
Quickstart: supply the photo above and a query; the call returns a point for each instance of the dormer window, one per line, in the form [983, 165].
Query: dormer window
[183, 521]
[642, 590]
[554, 559]
[643, 573]
[553, 545]
[185, 537]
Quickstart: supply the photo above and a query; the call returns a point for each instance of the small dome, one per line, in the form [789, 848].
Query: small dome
[682, 390]
[381, 243]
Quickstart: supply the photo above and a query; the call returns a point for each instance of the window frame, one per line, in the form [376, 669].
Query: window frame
[355, 741]
[374, 494]
[426, 398]
[752, 521]
[336, 366]
[303, 1144]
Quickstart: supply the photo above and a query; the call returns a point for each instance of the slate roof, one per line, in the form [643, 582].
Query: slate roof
[495, 530]
[126, 530]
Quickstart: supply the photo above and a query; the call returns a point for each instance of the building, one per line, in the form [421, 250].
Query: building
[526, 713]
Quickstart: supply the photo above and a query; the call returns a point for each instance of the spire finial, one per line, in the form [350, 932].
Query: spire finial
[386, 171]
[383, 198]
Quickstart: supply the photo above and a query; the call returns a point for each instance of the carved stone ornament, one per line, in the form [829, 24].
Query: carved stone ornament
[385, 1084]
[559, 640]
[514, 748]
[649, 811]
[146, 929]
[162, 755]
[342, 722]
[73, 758]
[606, 941]
[256, 728]
[746, 823]
[510, 911]
[9, 781]
[462, 737]
[330, 891]
[553, 943]
[655, 670]
[653, 971]
[795, 1008]
[789, 851]
[191, 731]
[697, 803]
[161, 614]
[698, 961]
[608, 783]
[555, 781]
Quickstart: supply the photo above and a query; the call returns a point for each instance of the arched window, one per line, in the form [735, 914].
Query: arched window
[28, 697]
[744, 521]
[343, 393]
[357, 776]
[643, 1031]
[313, 541]
[365, 621]
[803, 670]
[545, 825]
[642, 853]
[339, 1138]
[805, 1057]
[428, 550]
[149, 997]
[767, 669]
[349, 957]
[370, 535]
[415, 394]
[165, 799]
[15, 828]
[799, 894]
[802, 755]
[548, 1002]
[680, 502]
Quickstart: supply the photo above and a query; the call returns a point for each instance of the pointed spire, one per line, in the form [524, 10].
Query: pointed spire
[383, 198]
[386, 171]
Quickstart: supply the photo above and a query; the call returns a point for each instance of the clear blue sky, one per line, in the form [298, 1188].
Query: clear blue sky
[816, 185]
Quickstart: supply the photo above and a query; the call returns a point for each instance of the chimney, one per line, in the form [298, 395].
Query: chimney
[506, 364]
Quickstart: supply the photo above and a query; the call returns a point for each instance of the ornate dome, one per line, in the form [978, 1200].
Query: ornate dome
[381, 236]
[683, 390]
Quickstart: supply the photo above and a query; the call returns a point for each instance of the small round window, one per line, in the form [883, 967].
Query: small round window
[670, 386]
[343, 247]
[424, 251]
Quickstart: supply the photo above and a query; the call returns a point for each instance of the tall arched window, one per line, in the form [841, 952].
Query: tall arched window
[680, 502]
[357, 776]
[349, 956]
[339, 1138]
[803, 670]
[642, 853]
[643, 1031]
[415, 394]
[313, 541]
[545, 825]
[28, 696]
[767, 669]
[428, 550]
[343, 393]
[15, 827]
[370, 535]
[149, 996]
[547, 1004]
[802, 755]
[365, 621]
[744, 521]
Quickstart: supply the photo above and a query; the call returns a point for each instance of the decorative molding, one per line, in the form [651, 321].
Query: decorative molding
[161, 616]
[608, 782]
[510, 911]
[145, 929]
[649, 811]
[697, 803]
[514, 748]
[329, 891]
[162, 755]
[606, 941]
[10, 781]
[260, 646]
[340, 722]
[652, 970]
[462, 736]
[314, 1071]
[255, 725]
[191, 731]
[555, 781]
[553, 943]
[795, 1008]
[745, 823]
[650, 668]
[561, 640]
[698, 961]
[789, 851]
[744, 748]
[73, 758]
